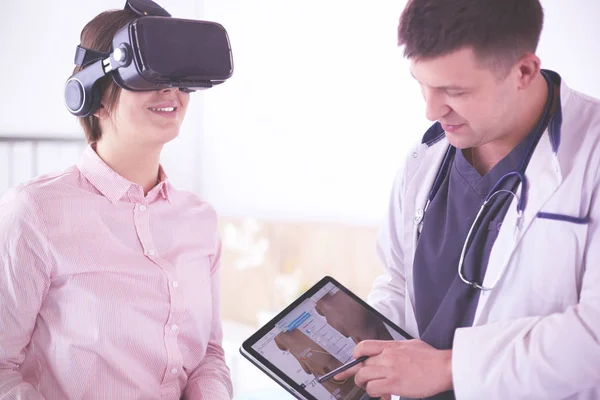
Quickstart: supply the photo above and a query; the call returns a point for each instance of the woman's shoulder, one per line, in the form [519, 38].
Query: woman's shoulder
[191, 202]
[36, 192]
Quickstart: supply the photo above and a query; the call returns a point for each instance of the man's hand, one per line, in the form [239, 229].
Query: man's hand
[408, 368]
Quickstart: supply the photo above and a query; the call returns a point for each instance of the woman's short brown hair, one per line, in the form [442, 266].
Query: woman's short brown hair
[500, 31]
[98, 35]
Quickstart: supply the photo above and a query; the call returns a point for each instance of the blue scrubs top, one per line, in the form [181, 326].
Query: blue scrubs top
[443, 302]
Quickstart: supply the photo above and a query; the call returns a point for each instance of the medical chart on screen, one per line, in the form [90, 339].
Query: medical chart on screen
[318, 336]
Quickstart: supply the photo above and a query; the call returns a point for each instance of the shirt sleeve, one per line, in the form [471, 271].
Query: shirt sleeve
[24, 283]
[211, 379]
[388, 292]
[554, 356]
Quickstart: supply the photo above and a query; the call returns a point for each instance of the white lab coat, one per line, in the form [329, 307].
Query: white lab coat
[537, 334]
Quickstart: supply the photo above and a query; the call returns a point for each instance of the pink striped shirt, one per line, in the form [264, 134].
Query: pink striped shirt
[106, 293]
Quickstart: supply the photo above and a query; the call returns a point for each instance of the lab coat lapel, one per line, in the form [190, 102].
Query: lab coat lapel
[544, 176]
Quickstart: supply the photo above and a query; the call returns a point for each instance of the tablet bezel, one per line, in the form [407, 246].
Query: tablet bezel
[275, 373]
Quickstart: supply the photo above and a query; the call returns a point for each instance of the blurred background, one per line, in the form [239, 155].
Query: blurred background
[296, 152]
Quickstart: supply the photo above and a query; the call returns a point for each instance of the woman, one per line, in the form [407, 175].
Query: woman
[109, 276]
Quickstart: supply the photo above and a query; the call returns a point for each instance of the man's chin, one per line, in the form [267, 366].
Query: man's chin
[460, 142]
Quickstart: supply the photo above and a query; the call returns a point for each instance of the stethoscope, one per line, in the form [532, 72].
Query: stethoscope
[518, 173]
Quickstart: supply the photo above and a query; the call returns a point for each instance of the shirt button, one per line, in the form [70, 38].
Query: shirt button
[151, 252]
[419, 215]
[142, 208]
[173, 328]
[174, 370]
[175, 284]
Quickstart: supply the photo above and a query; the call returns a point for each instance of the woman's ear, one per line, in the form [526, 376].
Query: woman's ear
[101, 113]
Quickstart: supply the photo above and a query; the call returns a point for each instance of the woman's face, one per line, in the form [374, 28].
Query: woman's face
[147, 118]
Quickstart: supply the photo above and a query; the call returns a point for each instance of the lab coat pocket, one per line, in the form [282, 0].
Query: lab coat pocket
[564, 218]
[556, 262]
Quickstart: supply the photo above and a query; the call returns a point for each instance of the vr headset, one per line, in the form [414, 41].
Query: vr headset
[152, 52]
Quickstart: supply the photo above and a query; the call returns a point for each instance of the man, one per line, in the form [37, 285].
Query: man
[505, 299]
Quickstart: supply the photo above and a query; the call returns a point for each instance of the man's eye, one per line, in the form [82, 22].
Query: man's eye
[455, 94]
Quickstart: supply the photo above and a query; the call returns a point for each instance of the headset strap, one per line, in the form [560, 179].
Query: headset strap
[85, 56]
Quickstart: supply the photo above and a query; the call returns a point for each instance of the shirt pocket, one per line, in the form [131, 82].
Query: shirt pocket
[558, 256]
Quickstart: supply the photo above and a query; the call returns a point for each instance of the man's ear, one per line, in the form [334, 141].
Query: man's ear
[528, 68]
[101, 113]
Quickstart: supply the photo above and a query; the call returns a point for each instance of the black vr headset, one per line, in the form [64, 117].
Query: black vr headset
[152, 52]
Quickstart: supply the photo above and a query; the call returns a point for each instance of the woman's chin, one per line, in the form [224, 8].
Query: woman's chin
[162, 136]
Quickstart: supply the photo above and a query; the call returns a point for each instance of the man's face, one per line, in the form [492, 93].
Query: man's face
[471, 101]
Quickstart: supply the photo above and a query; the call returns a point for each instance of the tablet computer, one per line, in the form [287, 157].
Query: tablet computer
[314, 335]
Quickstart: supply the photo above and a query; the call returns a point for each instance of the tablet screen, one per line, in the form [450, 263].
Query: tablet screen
[318, 335]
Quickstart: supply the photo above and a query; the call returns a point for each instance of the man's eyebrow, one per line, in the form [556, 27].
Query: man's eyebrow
[449, 87]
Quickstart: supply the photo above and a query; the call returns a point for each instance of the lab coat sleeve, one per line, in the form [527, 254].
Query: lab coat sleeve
[551, 357]
[388, 292]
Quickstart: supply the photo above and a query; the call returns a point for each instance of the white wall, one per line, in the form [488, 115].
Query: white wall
[570, 43]
[322, 107]
[38, 40]
[309, 126]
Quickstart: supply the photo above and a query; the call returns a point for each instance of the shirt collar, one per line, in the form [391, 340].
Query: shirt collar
[112, 185]
[164, 183]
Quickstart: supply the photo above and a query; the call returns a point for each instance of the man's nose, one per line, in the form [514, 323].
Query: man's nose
[436, 106]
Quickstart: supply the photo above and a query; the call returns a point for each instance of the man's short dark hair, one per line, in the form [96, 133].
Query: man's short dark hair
[500, 31]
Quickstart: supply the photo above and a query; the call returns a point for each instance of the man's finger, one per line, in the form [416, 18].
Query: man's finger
[347, 373]
[368, 374]
[369, 348]
[379, 388]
